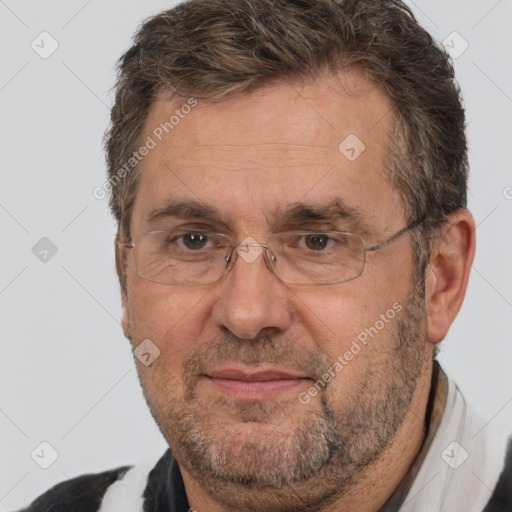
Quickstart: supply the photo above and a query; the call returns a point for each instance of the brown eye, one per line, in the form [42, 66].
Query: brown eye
[316, 241]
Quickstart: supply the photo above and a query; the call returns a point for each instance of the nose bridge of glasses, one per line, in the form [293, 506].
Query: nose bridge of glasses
[249, 250]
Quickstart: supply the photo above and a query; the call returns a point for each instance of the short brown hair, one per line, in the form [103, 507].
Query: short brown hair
[214, 49]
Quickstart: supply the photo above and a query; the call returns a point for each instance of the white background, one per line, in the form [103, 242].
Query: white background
[66, 371]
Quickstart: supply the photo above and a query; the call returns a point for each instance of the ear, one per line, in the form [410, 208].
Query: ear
[125, 317]
[121, 274]
[447, 274]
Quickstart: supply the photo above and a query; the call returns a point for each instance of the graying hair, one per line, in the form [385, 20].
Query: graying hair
[214, 49]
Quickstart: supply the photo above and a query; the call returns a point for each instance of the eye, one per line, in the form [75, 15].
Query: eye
[192, 241]
[317, 241]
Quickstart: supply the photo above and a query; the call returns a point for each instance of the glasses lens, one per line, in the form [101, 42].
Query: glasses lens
[181, 257]
[194, 257]
[317, 258]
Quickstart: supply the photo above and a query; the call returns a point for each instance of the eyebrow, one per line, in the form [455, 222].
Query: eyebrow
[335, 210]
[189, 209]
[293, 215]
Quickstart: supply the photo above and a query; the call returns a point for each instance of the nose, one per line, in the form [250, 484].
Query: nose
[251, 298]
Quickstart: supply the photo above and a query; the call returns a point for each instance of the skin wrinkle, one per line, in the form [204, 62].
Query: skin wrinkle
[326, 39]
[278, 87]
[289, 154]
[277, 454]
[338, 437]
[298, 216]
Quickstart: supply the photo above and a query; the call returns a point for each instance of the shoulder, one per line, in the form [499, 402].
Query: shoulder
[81, 494]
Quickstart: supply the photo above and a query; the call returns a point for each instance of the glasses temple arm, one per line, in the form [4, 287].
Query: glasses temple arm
[395, 236]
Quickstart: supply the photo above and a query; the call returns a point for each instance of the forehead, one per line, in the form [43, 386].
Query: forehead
[284, 144]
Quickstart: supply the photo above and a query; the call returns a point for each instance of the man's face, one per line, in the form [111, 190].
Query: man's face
[231, 388]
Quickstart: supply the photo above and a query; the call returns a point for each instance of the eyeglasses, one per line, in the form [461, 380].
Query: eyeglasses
[189, 257]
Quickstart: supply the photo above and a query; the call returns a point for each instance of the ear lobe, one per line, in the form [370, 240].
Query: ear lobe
[448, 273]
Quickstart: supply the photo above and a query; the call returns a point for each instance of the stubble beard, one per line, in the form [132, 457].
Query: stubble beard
[302, 465]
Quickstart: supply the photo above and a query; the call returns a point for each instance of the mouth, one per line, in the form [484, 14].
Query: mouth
[251, 384]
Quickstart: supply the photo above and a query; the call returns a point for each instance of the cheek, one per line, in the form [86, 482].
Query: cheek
[334, 316]
[173, 319]
[355, 326]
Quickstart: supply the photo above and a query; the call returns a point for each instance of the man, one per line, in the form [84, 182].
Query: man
[289, 182]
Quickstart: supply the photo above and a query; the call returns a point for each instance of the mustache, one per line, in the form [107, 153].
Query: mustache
[266, 349]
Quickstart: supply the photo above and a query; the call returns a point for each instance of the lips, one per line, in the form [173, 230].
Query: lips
[251, 384]
[253, 376]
